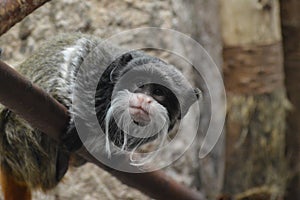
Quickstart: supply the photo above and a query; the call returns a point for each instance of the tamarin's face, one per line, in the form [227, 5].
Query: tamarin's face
[142, 114]
[143, 103]
[149, 96]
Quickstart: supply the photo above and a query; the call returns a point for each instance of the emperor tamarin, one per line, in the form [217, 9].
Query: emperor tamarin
[136, 99]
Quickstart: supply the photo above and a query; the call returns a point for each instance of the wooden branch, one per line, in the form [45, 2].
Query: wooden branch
[256, 99]
[290, 20]
[45, 113]
[13, 11]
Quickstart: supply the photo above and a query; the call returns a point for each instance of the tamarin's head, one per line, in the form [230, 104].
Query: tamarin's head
[149, 96]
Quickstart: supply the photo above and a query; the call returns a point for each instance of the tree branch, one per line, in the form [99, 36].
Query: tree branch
[13, 11]
[49, 116]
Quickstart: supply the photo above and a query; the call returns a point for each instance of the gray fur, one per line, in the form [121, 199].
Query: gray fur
[31, 156]
[26, 153]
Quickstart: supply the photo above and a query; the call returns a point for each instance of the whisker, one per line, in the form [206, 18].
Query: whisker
[107, 142]
[125, 127]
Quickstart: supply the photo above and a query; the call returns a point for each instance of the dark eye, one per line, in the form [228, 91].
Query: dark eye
[158, 92]
[141, 85]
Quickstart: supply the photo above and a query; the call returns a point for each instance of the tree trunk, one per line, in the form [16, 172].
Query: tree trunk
[290, 18]
[255, 161]
[205, 28]
[199, 19]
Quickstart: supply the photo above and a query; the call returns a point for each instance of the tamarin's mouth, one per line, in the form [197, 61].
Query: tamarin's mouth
[139, 115]
[138, 108]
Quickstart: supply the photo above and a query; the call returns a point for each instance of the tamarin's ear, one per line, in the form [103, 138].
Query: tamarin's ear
[118, 64]
[189, 100]
[125, 58]
[1, 52]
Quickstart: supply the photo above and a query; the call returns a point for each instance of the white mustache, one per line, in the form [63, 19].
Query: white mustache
[119, 110]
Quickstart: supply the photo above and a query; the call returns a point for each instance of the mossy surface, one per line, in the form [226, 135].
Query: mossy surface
[256, 143]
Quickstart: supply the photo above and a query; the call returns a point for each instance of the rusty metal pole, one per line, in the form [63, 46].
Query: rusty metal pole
[49, 116]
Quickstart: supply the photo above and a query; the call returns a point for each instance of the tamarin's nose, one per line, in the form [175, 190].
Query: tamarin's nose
[143, 98]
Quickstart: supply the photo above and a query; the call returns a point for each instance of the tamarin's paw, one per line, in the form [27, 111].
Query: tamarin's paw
[71, 139]
[62, 163]
[72, 142]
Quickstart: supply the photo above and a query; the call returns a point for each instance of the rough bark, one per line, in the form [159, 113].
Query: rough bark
[200, 19]
[11, 12]
[290, 20]
[253, 69]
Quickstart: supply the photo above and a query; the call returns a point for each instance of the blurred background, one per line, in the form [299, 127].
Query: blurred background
[255, 44]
